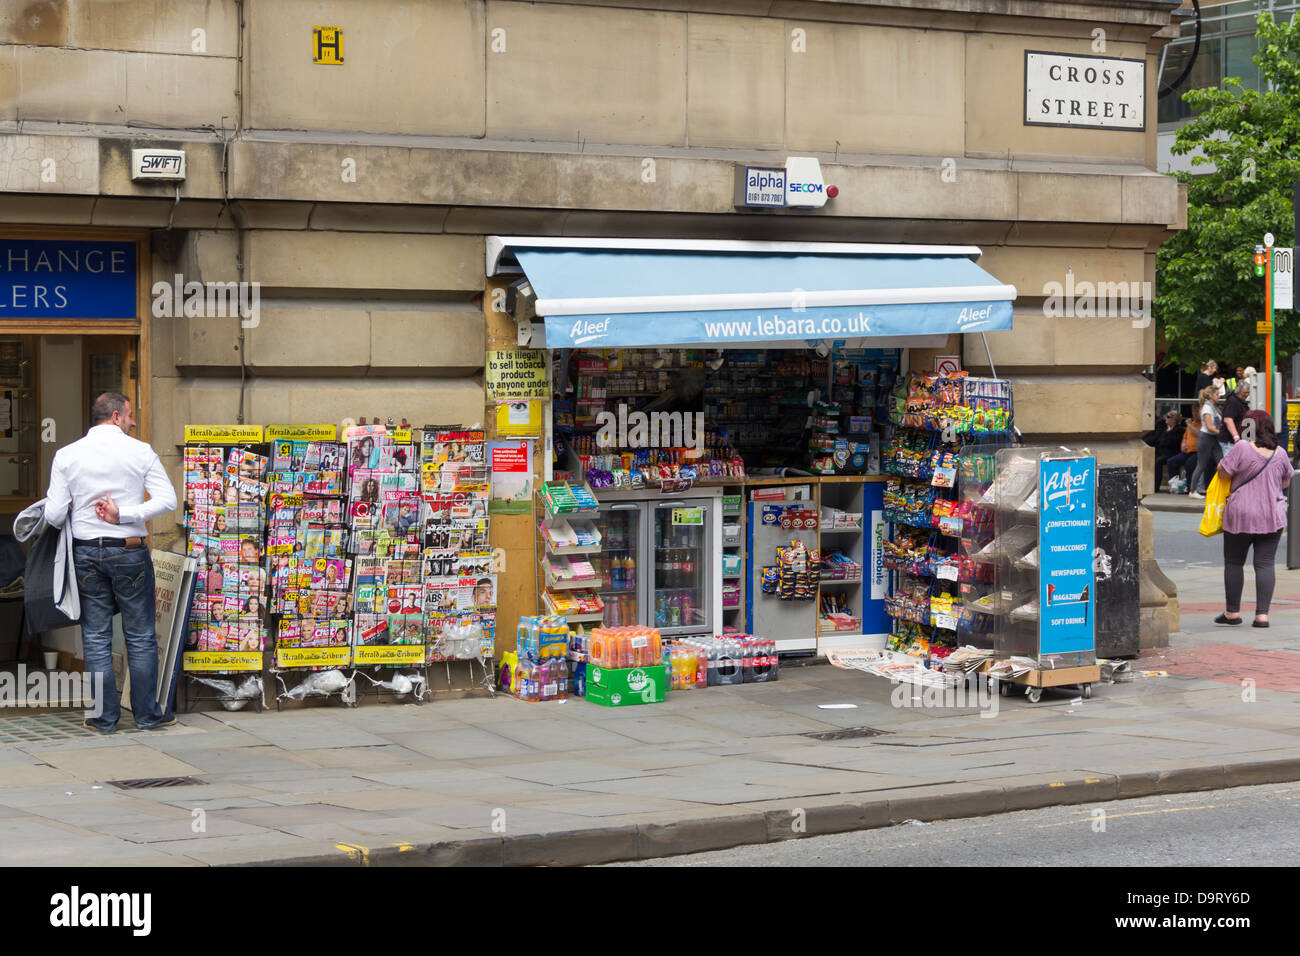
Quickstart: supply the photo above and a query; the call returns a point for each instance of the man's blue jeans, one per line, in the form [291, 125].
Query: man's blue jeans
[118, 579]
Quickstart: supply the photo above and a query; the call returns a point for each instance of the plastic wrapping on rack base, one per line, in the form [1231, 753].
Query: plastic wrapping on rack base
[460, 641]
[234, 696]
[400, 684]
[319, 684]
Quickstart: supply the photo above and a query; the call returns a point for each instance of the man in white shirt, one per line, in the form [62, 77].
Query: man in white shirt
[103, 476]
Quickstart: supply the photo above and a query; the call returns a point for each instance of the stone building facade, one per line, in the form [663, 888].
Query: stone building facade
[359, 194]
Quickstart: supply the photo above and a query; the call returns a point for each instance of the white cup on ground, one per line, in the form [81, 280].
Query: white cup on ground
[51, 660]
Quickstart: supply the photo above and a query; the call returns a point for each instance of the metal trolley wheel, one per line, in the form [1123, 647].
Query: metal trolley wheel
[1087, 691]
[1035, 694]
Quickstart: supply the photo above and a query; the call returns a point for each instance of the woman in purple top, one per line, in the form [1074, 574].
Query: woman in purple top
[1255, 514]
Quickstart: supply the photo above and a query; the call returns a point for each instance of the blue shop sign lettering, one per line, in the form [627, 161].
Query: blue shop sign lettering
[67, 279]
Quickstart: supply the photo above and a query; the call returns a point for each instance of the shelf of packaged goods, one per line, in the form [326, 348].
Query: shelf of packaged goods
[732, 577]
[571, 549]
[845, 530]
[909, 524]
[551, 515]
[826, 583]
[559, 584]
[572, 617]
[594, 618]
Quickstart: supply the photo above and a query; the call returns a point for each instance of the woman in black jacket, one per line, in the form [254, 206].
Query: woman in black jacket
[1167, 439]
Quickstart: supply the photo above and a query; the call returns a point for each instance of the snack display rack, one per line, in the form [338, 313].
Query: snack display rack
[944, 428]
[571, 581]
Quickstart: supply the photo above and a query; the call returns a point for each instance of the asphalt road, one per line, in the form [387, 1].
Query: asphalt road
[1245, 826]
[1179, 545]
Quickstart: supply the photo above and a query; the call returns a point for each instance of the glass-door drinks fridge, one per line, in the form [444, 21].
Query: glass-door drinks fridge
[621, 562]
[681, 592]
[657, 565]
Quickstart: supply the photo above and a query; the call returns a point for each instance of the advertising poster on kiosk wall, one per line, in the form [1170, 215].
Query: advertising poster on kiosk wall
[1067, 490]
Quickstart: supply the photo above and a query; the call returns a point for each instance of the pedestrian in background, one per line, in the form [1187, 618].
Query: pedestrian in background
[1166, 439]
[104, 476]
[1234, 411]
[1253, 516]
[1206, 376]
[1183, 464]
[1208, 450]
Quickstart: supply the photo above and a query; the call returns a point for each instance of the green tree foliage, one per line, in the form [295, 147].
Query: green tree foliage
[1208, 297]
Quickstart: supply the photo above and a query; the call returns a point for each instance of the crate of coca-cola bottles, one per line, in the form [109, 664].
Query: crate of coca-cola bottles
[734, 659]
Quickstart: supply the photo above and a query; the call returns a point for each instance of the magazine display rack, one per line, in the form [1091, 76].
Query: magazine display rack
[224, 516]
[370, 555]
[306, 551]
[461, 583]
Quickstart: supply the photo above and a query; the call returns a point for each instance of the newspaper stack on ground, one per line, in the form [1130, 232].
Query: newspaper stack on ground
[895, 668]
[1012, 667]
[967, 659]
[1117, 672]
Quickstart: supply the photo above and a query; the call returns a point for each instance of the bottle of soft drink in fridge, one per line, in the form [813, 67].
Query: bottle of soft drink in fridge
[629, 573]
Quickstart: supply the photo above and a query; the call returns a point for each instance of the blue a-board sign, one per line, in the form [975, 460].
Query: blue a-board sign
[1067, 492]
[67, 279]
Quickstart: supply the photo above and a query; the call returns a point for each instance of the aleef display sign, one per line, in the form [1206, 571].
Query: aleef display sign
[1067, 489]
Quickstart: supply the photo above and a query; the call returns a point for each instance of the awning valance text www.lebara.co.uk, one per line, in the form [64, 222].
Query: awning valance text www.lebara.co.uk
[629, 293]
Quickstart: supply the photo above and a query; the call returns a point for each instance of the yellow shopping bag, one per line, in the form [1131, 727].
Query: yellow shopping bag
[1216, 496]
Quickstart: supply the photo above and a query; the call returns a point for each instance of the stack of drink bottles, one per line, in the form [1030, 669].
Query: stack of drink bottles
[715, 661]
[542, 672]
[687, 664]
[579, 641]
[623, 647]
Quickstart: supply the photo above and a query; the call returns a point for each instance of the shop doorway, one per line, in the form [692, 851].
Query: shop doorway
[47, 383]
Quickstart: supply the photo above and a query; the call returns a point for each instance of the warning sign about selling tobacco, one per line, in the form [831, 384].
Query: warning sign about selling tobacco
[516, 373]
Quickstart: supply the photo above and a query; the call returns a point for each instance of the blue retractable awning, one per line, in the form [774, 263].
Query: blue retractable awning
[606, 293]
